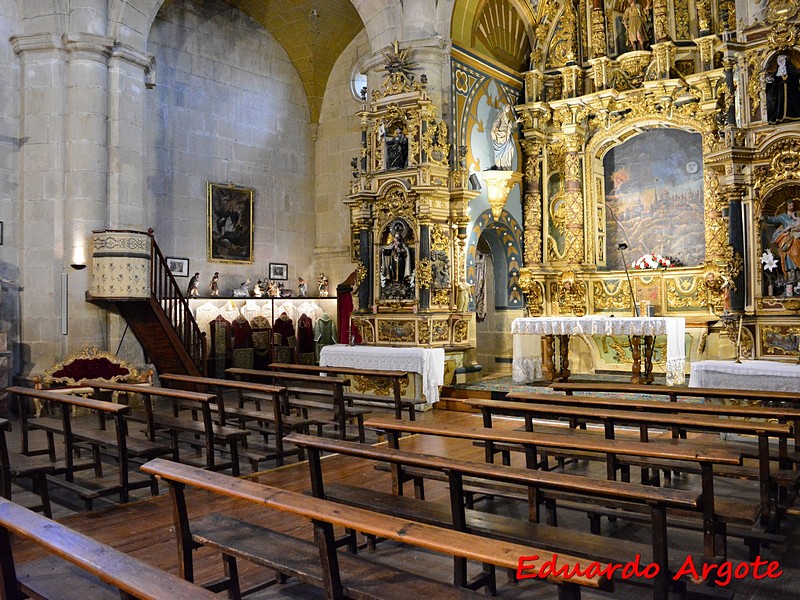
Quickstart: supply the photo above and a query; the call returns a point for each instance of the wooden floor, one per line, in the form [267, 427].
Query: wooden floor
[144, 528]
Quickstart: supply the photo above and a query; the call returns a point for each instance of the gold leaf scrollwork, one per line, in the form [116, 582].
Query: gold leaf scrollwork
[534, 293]
[442, 297]
[361, 273]
[571, 294]
[441, 331]
[365, 330]
[685, 292]
[380, 386]
[424, 333]
[435, 142]
[394, 330]
[440, 241]
[460, 331]
[424, 273]
[611, 295]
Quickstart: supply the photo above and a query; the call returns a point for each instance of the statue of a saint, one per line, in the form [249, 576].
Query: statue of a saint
[215, 285]
[503, 139]
[636, 24]
[302, 288]
[194, 283]
[396, 149]
[396, 257]
[322, 285]
[783, 93]
[787, 238]
[463, 296]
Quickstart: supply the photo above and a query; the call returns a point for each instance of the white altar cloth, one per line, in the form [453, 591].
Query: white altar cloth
[763, 375]
[428, 362]
[525, 356]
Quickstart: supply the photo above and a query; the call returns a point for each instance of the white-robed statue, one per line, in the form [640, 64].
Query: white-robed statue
[503, 138]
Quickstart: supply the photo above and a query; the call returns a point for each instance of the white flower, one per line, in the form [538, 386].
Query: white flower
[769, 261]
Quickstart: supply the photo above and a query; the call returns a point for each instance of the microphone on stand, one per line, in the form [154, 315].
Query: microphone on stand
[622, 247]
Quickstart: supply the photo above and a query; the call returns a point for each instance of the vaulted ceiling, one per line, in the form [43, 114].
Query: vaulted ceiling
[313, 32]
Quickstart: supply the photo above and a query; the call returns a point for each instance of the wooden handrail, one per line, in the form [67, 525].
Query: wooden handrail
[166, 291]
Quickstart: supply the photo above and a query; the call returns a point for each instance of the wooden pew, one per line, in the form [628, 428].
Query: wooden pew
[645, 420]
[706, 458]
[79, 565]
[674, 392]
[174, 425]
[540, 486]
[18, 466]
[78, 431]
[267, 422]
[328, 388]
[341, 575]
[395, 377]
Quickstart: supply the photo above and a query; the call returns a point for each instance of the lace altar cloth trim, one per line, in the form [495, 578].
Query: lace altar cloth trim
[428, 362]
[762, 375]
[673, 327]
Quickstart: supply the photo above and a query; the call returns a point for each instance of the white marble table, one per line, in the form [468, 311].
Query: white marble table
[428, 363]
[555, 331]
[763, 375]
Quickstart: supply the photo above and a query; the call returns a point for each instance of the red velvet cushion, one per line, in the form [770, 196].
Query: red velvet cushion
[91, 368]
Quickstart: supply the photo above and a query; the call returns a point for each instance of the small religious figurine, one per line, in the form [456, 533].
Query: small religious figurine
[302, 288]
[243, 291]
[258, 289]
[463, 296]
[322, 284]
[636, 24]
[273, 290]
[194, 282]
[215, 285]
[787, 238]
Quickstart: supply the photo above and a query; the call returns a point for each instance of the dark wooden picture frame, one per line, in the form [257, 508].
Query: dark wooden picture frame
[230, 223]
[279, 271]
[178, 266]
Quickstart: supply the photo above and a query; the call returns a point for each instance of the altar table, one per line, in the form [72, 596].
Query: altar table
[428, 363]
[527, 366]
[763, 375]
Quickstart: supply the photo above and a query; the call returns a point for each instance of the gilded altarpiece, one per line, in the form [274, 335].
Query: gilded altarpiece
[409, 217]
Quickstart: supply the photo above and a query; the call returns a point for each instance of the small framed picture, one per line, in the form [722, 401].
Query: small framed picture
[277, 271]
[178, 266]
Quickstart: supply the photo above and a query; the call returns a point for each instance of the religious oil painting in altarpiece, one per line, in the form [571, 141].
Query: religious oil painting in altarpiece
[230, 223]
[654, 197]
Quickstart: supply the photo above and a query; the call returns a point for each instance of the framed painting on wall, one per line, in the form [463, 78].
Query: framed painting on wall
[178, 266]
[230, 223]
[279, 271]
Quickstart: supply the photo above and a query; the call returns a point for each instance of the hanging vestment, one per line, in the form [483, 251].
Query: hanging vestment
[262, 342]
[305, 340]
[324, 333]
[242, 355]
[284, 339]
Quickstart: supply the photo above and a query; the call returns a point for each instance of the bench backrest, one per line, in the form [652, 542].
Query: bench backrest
[676, 391]
[336, 370]
[116, 568]
[607, 415]
[591, 443]
[236, 384]
[150, 390]
[70, 399]
[454, 543]
[540, 479]
[770, 412]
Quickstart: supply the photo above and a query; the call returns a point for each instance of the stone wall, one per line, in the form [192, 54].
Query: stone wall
[228, 106]
[338, 141]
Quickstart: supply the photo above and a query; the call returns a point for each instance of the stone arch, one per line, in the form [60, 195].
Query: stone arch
[502, 237]
[130, 20]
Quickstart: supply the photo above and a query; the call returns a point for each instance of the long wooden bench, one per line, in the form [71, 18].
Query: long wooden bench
[341, 575]
[14, 466]
[77, 431]
[78, 566]
[378, 379]
[542, 487]
[300, 386]
[675, 392]
[269, 423]
[174, 425]
[763, 430]
[611, 450]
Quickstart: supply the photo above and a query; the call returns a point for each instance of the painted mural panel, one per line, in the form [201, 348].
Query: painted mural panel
[654, 197]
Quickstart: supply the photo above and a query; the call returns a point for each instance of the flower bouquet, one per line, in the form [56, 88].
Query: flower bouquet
[654, 261]
[770, 263]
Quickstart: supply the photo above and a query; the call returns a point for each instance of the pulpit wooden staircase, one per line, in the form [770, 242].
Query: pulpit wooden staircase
[163, 323]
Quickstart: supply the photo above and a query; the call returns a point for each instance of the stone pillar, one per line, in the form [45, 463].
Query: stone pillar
[130, 74]
[43, 256]
[424, 255]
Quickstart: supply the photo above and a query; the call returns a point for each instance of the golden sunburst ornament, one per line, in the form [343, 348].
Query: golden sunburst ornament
[399, 61]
